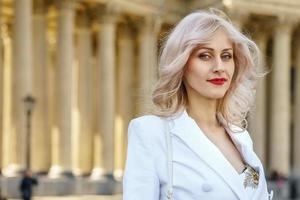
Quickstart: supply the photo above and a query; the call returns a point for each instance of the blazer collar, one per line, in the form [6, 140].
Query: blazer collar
[189, 132]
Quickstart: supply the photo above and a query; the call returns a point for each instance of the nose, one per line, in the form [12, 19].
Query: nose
[218, 65]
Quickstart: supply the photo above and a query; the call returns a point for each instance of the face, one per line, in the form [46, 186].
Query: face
[210, 68]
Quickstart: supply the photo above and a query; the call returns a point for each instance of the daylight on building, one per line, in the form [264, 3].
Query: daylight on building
[73, 73]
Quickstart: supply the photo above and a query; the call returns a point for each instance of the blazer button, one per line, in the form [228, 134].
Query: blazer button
[206, 187]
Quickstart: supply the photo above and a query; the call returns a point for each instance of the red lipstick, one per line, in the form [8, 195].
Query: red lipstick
[217, 81]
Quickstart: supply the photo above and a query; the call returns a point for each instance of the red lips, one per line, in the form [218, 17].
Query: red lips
[217, 81]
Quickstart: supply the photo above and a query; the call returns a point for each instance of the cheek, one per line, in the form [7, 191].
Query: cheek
[194, 76]
[231, 74]
[191, 66]
[196, 69]
[231, 70]
[189, 72]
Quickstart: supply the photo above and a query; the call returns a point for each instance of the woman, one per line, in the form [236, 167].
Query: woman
[195, 145]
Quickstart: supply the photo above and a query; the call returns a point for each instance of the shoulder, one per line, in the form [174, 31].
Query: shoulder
[147, 127]
[147, 120]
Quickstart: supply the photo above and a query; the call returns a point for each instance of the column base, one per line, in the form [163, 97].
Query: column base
[106, 183]
[13, 170]
[97, 173]
[118, 174]
[57, 171]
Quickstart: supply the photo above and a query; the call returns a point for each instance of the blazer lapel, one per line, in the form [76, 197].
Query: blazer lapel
[241, 141]
[249, 156]
[188, 131]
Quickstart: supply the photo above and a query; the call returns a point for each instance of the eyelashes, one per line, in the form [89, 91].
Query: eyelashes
[204, 56]
[208, 56]
[227, 56]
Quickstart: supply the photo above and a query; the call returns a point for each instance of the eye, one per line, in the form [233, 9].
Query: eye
[204, 56]
[227, 56]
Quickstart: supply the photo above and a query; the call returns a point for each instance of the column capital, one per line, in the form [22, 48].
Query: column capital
[296, 46]
[261, 29]
[285, 23]
[126, 30]
[107, 13]
[39, 7]
[83, 19]
[65, 4]
[297, 37]
[149, 23]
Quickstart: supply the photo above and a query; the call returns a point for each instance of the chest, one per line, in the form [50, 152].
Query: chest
[225, 145]
[192, 177]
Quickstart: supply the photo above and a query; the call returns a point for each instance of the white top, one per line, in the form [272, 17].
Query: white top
[200, 169]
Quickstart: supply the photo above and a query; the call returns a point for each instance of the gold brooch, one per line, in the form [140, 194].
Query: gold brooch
[251, 177]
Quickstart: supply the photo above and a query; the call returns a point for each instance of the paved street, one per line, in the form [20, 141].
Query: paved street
[81, 197]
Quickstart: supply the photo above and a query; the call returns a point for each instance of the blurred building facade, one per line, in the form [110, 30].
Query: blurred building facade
[90, 65]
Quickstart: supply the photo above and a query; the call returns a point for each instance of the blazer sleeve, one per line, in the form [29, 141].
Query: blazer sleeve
[140, 180]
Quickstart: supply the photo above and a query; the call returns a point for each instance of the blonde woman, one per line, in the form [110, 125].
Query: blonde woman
[195, 144]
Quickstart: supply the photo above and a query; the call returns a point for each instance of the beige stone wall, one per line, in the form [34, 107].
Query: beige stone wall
[91, 67]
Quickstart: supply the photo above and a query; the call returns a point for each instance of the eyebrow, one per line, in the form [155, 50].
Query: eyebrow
[211, 49]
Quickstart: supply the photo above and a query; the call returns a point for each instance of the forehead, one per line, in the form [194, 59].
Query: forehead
[219, 40]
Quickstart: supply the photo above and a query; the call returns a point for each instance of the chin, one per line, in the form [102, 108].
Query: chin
[216, 96]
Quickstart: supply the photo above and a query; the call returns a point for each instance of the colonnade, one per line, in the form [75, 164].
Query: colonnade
[89, 72]
[82, 77]
[273, 118]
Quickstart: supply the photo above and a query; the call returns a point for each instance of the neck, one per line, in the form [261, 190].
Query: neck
[203, 111]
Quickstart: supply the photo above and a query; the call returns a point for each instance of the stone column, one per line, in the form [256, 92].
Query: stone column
[8, 168]
[1, 87]
[280, 98]
[83, 140]
[51, 92]
[40, 137]
[258, 120]
[296, 139]
[125, 93]
[147, 62]
[22, 85]
[106, 65]
[5, 85]
[62, 162]
[97, 171]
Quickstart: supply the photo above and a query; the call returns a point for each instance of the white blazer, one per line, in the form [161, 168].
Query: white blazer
[200, 170]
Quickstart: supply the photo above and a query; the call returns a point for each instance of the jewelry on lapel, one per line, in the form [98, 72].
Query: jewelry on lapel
[251, 177]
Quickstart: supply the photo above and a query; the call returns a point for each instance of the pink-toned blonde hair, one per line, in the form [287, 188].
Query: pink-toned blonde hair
[169, 95]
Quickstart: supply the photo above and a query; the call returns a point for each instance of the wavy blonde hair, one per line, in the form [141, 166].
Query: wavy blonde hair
[169, 95]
